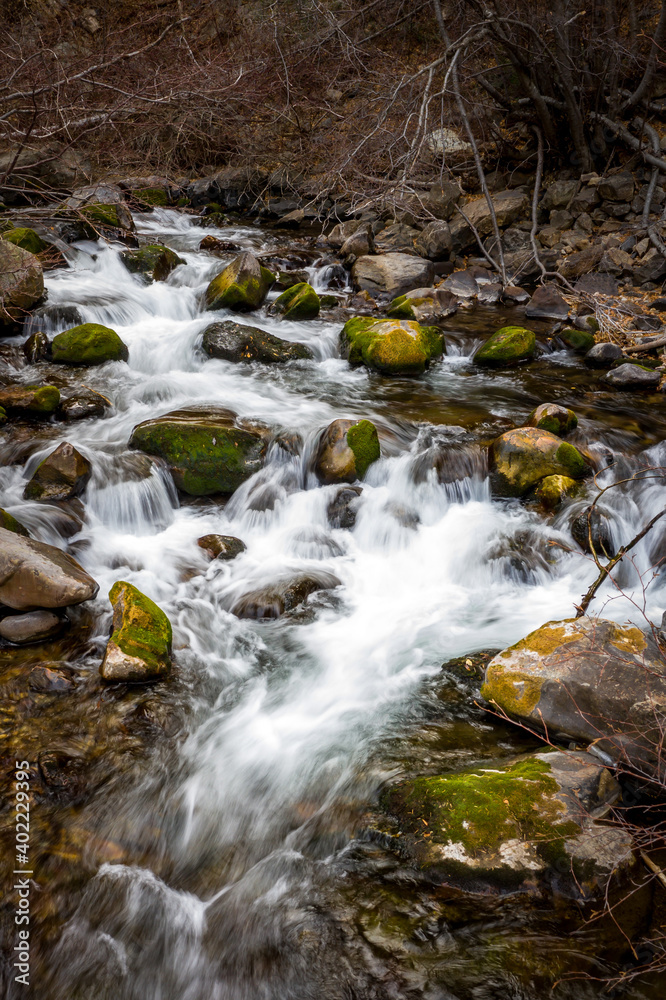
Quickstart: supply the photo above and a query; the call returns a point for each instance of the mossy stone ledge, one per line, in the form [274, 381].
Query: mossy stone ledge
[242, 285]
[88, 344]
[390, 346]
[508, 345]
[139, 649]
[300, 302]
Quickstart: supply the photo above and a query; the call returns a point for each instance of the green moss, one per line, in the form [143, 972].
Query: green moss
[3, 416]
[9, 523]
[509, 344]
[393, 347]
[140, 628]
[242, 285]
[328, 301]
[152, 196]
[571, 460]
[578, 340]
[26, 238]
[363, 440]
[300, 302]
[554, 418]
[553, 489]
[628, 639]
[88, 344]
[44, 400]
[102, 215]
[401, 308]
[182, 203]
[155, 261]
[515, 693]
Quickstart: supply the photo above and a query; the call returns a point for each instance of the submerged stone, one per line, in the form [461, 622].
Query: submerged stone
[154, 261]
[221, 546]
[139, 649]
[510, 344]
[279, 598]
[88, 344]
[392, 347]
[242, 285]
[299, 302]
[34, 626]
[578, 340]
[346, 450]
[520, 458]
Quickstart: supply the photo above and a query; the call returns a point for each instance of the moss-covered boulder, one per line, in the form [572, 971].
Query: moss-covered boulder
[26, 238]
[9, 523]
[21, 283]
[153, 196]
[62, 475]
[155, 261]
[36, 401]
[102, 216]
[230, 341]
[587, 678]
[139, 649]
[580, 341]
[242, 285]
[346, 449]
[88, 344]
[299, 302]
[550, 417]
[552, 490]
[390, 346]
[507, 346]
[509, 824]
[425, 305]
[207, 451]
[520, 458]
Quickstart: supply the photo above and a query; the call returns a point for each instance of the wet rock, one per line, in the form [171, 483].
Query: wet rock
[27, 239]
[552, 490]
[241, 286]
[237, 342]
[37, 348]
[490, 293]
[82, 404]
[278, 599]
[392, 273]
[218, 247]
[551, 417]
[588, 679]
[592, 528]
[35, 626]
[88, 344]
[515, 295]
[462, 284]
[101, 216]
[9, 523]
[603, 355]
[287, 279]
[520, 458]
[221, 546]
[207, 451]
[139, 649]
[63, 774]
[393, 347]
[21, 283]
[631, 376]
[341, 511]
[580, 341]
[300, 302]
[617, 187]
[62, 475]
[547, 303]
[51, 679]
[346, 450]
[425, 305]
[434, 242]
[36, 575]
[37, 401]
[154, 261]
[506, 825]
[508, 345]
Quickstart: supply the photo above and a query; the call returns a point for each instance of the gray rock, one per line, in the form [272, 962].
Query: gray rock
[559, 194]
[617, 187]
[35, 626]
[392, 273]
[221, 546]
[490, 293]
[21, 283]
[547, 303]
[605, 284]
[442, 199]
[36, 575]
[397, 238]
[509, 206]
[603, 355]
[237, 342]
[461, 284]
[343, 508]
[585, 201]
[515, 295]
[652, 267]
[82, 404]
[434, 242]
[630, 376]
[341, 233]
[36, 348]
[592, 528]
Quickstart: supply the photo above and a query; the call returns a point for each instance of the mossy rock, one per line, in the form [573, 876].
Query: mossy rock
[509, 345]
[390, 346]
[102, 215]
[30, 400]
[156, 197]
[552, 490]
[346, 451]
[207, 452]
[154, 261]
[9, 523]
[580, 341]
[139, 649]
[329, 301]
[522, 457]
[554, 418]
[300, 302]
[3, 416]
[88, 344]
[21, 282]
[26, 238]
[242, 285]
[237, 342]
[401, 308]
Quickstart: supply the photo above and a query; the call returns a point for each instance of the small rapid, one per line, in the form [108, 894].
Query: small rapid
[250, 812]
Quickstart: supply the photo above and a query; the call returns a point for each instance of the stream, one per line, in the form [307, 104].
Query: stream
[207, 843]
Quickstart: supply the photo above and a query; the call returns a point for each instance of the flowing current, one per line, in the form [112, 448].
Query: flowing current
[238, 840]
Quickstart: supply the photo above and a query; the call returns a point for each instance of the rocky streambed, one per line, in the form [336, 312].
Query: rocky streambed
[277, 559]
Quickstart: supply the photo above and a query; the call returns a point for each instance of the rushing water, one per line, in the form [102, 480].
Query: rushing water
[237, 873]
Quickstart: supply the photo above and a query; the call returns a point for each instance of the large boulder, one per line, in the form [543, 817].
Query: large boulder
[425, 305]
[102, 204]
[62, 475]
[26, 238]
[154, 261]
[511, 823]
[434, 242]
[632, 376]
[88, 344]
[509, 206]
[390, 346]
[29, 400]
[588, 679]
[242, 285]
[521, 457]
[547, 303]
[21, 283]
[299, 302]
[551, 417]
[207, 451]
[506, 346]
[346, 449]
[46, 168]
[392, 273]
[230, 341]
[139, 649]
[36, 575]
[280, 598]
